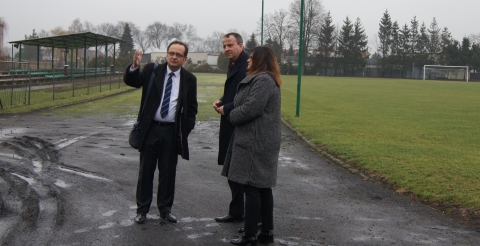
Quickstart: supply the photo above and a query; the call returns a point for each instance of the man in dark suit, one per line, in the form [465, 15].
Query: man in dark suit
[237, 69]
[167, 119]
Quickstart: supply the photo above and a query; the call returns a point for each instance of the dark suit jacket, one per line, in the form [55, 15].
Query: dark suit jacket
[234, 77]
[187, 106]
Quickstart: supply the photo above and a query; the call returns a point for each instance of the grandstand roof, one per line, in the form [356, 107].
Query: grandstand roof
[76, 40]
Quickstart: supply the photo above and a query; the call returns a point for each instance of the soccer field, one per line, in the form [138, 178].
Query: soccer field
[422, 136]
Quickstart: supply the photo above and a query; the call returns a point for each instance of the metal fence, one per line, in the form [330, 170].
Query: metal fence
[20, 85]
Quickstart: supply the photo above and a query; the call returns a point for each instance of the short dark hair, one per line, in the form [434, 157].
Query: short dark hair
[237, 36]
[180, 43]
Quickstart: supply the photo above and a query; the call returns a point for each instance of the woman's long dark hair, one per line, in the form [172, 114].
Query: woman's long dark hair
[264, 60]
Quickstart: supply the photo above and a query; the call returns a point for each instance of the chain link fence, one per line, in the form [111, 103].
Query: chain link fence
[22, 85]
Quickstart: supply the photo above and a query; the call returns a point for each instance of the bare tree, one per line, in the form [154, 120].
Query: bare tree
[156, 34]
[89, 27]
[76, 26]
[139, 37]
[276, 26]
[213, 42]
[3, 31]
[474, 38]
[107, 29]
[312, 20]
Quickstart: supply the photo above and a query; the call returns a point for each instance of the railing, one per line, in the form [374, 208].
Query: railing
[23, 86]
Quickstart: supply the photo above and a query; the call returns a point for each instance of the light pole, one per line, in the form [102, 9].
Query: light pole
[300, 58]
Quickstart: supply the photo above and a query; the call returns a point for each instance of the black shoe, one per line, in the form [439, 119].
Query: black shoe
[244, 240]
[228, 218]
[242, 230]
[141, 218]
[265, 237]
[168, 216]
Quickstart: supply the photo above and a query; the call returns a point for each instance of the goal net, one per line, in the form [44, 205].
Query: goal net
[438, 72]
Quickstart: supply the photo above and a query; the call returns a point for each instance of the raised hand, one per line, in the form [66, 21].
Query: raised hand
[137, 58]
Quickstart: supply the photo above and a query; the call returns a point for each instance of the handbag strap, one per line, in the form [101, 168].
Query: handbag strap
[150, 82]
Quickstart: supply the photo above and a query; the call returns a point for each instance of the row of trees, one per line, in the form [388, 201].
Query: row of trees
[399, 48]
[328, 49]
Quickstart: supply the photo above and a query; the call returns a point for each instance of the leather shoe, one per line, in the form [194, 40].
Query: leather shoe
[140, 219]
[228, 218]
[242, 230]
[244, 240]
[168, 216]
[265, 237]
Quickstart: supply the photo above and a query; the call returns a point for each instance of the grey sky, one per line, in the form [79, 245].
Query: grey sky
[460, 16]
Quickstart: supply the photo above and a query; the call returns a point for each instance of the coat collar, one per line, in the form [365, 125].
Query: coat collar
[238, 63]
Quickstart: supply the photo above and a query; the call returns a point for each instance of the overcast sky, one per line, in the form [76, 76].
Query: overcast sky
[462, 17]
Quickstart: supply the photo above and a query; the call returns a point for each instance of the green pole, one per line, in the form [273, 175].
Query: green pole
[71, 67]
[106, 60]
[20, 55]
[38, 57]
[261, 42]
[84, 58]
[96, 56]
[300, 59]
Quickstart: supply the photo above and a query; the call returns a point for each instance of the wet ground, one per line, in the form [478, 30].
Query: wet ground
[71, 181]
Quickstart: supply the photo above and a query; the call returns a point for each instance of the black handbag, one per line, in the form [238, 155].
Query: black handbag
[134, 136]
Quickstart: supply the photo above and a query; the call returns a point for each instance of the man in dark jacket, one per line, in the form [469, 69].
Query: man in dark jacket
[237, 68]
[168, 110]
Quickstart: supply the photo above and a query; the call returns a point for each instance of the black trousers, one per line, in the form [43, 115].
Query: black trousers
[236, 208]
[258, 204]
[159, 149]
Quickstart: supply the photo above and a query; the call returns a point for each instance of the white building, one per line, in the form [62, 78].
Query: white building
[197, 58]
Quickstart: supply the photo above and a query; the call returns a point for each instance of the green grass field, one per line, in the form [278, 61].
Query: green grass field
[421, 136]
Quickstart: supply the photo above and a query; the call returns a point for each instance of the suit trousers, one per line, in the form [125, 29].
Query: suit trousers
[159, 148]
[236, 208]
[258, 204]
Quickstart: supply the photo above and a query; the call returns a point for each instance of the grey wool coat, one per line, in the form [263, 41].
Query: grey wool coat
[252, 156]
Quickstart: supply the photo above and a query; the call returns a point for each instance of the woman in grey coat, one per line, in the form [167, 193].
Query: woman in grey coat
[252, 156]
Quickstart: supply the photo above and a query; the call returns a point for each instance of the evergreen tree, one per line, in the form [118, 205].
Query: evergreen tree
[251, 43]
[475, 56]
[30, 52]
[465, 54]
[421, 46]
[404, 48]
[385, 38]
[222, 62]
[394, 58]
[434, 45]
[126, 47]
[451, 54]
[276, 47]
[360, 41]
[346, 46]
[413, 35]
[326, 41]
[446, 40]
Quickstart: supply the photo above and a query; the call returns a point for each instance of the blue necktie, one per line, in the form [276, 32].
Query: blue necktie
[166, 96]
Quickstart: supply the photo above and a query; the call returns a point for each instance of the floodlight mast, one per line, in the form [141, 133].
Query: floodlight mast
[441, 66]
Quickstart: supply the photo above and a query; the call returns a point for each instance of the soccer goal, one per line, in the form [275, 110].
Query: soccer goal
[440, 72]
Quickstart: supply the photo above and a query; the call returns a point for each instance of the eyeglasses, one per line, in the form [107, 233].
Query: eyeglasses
[172, 54]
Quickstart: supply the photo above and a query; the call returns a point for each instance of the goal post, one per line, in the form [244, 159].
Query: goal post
[440, 72]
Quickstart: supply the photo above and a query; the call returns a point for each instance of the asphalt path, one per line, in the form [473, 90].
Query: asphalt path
[71, 181]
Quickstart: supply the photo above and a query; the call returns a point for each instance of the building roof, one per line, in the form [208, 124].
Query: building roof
[76, 40]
